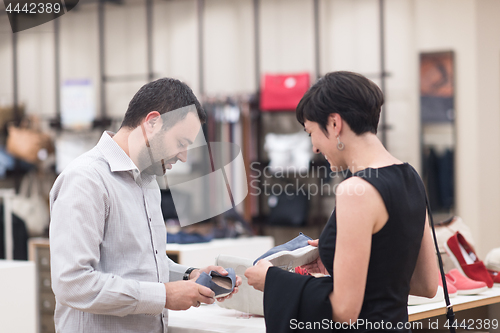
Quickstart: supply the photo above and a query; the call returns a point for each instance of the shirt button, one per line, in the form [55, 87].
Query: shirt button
[156, 251]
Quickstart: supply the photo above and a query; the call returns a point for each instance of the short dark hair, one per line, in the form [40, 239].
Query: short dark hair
[162, 95]
[355, 98]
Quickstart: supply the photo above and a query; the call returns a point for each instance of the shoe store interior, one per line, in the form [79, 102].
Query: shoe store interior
[68, 82]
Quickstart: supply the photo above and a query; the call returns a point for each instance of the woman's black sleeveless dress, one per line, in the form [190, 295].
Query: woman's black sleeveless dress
[293, 301]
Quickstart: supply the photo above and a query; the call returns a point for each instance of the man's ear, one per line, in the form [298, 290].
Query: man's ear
[150, 120]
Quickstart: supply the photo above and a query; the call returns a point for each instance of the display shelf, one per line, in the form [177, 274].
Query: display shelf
[18, 305]
[212, 318]
[204, 254]
[459, 303]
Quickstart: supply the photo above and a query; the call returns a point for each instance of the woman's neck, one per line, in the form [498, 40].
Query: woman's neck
[366, 151]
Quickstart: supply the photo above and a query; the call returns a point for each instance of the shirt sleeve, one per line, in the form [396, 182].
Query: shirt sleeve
[79, 204]
[176, 271]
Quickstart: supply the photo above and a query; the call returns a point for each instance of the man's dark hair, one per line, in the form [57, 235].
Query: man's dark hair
[355, 98]
[162, 95]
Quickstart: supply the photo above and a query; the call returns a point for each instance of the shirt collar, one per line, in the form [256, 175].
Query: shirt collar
[117, 158]
[119, 161]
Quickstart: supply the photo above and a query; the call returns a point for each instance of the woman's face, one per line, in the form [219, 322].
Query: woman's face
[322, 144]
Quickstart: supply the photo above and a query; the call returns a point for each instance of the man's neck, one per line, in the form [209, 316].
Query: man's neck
[121, 138]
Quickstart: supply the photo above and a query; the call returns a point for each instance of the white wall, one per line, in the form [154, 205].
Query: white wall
[79, 49]
[450, 25]
[350, 36]
[402, 99]
[175, 46]
[35, 67]
[228, 47]
[349, 40]
[488, 123]
[286, 36]
[471, 29]
[6, 60]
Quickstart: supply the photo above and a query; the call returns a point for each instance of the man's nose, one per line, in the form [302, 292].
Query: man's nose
[182, 156]
[315, 150]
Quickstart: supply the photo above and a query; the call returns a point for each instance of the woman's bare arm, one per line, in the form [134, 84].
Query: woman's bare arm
[355, 226]
[424, 281]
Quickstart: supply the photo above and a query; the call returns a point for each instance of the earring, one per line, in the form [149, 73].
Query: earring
[340, 145]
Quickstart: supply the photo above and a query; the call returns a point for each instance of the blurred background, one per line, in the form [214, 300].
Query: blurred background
[249, 61]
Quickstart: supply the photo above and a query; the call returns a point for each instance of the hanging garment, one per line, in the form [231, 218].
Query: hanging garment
[19, 236]
[445, 179]
[288, 152]
[289, 208]
[431, 175]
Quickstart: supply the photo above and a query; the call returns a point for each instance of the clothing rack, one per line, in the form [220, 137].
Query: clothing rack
[229, 120]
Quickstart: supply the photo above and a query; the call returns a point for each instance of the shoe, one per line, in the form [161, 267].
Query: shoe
[452, 289]
[452, 292]
[495, 276]
[464, 285]
[294, 253]
[418, 300]
[465, 259]
[301, 271]
[221, 285]
[492, 260]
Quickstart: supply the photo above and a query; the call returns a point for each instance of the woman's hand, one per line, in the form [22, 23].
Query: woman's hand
[256, 275]
[316, 266]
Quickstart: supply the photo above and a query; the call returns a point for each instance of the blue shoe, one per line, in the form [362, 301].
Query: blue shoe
[294, 253]
[221, 285]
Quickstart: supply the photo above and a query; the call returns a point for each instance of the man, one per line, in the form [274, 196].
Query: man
[110, 271]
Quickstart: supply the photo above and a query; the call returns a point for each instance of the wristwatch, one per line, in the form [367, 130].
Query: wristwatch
[187, 273]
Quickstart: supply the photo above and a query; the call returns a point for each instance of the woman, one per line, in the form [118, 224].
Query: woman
[376, 247]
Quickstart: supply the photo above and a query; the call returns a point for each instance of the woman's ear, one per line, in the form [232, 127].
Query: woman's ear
[334, 124]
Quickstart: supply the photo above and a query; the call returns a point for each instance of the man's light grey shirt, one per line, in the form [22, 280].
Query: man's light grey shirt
[108, 246]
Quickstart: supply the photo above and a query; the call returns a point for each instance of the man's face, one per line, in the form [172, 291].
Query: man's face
[166, 147]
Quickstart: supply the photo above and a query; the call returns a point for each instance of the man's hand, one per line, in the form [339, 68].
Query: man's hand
[181, 295]
[195, 273]
[256, 275]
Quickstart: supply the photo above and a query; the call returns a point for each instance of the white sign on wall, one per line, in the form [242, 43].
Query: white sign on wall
[77, 104]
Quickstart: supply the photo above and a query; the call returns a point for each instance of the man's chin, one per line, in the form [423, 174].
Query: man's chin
[154, 170]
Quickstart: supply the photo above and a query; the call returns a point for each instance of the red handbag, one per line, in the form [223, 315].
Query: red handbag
[283, 92]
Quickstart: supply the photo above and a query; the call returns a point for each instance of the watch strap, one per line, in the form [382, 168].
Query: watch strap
[187, 273]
